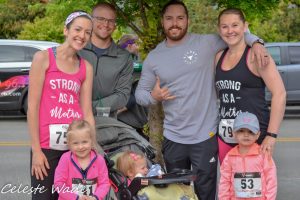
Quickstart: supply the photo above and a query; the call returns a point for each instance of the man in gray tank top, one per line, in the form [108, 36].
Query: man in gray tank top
[179, 72]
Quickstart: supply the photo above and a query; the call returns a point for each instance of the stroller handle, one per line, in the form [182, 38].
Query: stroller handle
[183, 176]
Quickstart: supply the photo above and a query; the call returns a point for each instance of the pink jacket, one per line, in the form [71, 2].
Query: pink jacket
[254, 161]
[68, 169]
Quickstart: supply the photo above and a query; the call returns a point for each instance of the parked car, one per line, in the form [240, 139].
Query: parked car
[15, 61]
[287, 58]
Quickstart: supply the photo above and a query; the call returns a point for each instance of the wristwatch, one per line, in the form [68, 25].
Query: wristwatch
[260, 41]
[272, 134]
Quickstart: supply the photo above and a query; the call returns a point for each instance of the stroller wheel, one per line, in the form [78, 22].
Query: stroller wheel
[124, 194]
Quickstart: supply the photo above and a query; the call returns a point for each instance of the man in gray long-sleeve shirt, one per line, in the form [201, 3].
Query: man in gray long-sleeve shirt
[179, 72]
[112, 65]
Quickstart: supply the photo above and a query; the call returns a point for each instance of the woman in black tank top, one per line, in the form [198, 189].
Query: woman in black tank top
[240, 85]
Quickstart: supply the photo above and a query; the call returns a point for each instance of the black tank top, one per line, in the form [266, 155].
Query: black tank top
[239, 90]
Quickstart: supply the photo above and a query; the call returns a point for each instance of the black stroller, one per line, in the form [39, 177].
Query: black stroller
[114, 137]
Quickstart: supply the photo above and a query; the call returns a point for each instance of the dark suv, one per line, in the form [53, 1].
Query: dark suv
[15, 61]
[287, 58]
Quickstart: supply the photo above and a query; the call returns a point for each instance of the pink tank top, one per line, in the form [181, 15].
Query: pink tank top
[60, 103]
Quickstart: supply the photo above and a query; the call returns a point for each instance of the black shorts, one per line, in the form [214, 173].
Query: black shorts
[53, 157]
[201, 157]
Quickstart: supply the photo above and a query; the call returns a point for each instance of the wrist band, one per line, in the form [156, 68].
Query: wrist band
[272, 134]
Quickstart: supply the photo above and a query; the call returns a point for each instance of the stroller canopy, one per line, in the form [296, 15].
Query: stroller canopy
[112, 135]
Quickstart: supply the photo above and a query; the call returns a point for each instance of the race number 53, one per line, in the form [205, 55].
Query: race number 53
[247, 185]
[58, 136]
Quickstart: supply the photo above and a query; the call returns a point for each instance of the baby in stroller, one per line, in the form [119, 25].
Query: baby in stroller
[134, 164]
[140, 182]
[121, 142]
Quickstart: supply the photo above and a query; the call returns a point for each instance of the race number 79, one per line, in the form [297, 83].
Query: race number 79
[228, 130]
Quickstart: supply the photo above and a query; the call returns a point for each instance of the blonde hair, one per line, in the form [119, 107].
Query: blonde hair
[79, 125]
[104, 5]
[126, 161]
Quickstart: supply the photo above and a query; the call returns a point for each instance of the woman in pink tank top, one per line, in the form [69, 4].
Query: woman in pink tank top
[60, 91]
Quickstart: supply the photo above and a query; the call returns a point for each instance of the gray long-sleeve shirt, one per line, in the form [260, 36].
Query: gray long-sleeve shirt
[188, 71]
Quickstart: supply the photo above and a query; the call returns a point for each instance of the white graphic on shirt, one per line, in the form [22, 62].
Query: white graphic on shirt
[58, 113]
[68, 91]
[228, 97]
[65, 85]
[190, 57]
[212, 160]
[69, 88]
[228, 113]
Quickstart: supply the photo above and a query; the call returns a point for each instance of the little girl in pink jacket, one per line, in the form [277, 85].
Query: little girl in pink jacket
[245, 172]
[81, 173]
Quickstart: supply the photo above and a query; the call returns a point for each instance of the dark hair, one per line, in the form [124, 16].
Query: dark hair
[174, 2]
[235, 11]
[104, 5]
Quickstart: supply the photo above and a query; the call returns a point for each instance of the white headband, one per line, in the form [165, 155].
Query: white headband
[74, 15]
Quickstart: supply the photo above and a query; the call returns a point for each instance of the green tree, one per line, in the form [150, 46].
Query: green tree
[203, 16]
[283, 24]
[14, 13]
[253, 9]
[143, 18]
[51, 25]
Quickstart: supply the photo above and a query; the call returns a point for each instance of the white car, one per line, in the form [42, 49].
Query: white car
[15, 61]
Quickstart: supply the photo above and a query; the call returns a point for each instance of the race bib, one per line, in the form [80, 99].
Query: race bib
[225, 130]
[247, 185]
[84, 186]
[58, 136]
